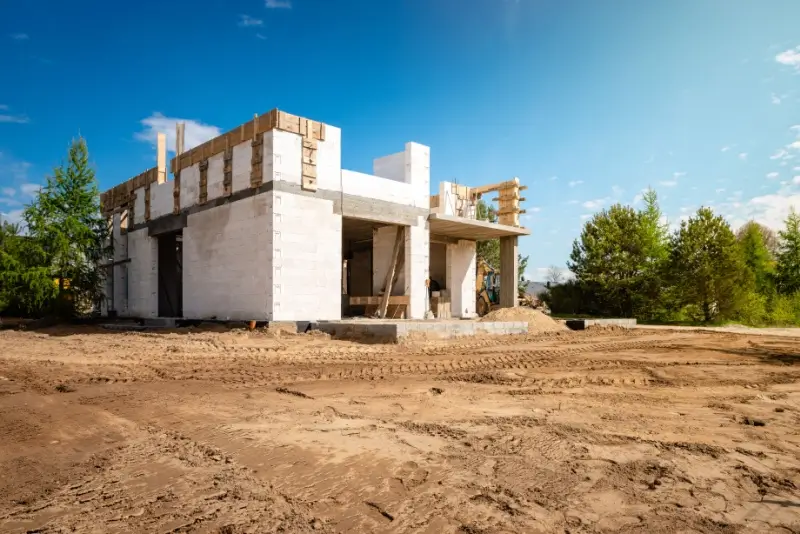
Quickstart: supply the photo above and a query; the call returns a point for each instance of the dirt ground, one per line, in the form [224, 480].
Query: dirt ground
[228, 432]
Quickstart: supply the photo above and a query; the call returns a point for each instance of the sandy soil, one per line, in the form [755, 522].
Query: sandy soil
[228, 432]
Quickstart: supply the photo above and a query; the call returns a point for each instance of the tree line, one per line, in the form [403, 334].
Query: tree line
[626, 263]
[52, 262]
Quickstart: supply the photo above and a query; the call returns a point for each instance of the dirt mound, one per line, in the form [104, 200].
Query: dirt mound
[537, 321]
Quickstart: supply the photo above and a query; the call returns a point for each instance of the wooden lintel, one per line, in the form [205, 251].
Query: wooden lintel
[399, 300]
[436, 238]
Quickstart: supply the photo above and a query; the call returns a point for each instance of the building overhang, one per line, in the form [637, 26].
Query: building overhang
[471, 229]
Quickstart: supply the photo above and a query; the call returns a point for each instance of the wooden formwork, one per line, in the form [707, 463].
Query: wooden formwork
[312, 133]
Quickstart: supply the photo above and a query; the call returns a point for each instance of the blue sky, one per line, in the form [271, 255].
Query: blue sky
[587, 102]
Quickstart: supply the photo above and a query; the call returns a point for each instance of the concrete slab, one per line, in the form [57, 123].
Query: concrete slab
[389, 331]
[583, 324]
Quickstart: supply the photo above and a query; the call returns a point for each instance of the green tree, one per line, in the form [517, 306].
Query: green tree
[756, 255]
[649, 299]
[787, 267]
[609, 258]
[65, 221]
[767, 235]
[706, 266]
[26, 286]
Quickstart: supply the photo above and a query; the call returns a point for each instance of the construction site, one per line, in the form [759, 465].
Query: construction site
[289, 346]
[263, 224]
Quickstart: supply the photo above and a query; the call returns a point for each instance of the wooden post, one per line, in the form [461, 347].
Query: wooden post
[387, 291]
[161, 157]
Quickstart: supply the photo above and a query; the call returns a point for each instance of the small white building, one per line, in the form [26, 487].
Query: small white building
[262, 223]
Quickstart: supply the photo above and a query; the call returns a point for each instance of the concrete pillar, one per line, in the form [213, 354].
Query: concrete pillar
[461, 278]
[509, 265]
[417, 267]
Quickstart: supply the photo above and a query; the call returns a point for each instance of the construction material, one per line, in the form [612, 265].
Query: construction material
[388, 331]
[537, 321]
[390, 274]
[583, 324]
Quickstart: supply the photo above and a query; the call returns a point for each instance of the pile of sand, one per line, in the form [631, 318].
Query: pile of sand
[537, 321]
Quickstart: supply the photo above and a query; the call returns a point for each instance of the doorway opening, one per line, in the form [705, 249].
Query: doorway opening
[170, 274]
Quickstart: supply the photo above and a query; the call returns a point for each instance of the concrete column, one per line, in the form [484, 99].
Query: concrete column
[509, 265]
[417, 267]
[461, 278]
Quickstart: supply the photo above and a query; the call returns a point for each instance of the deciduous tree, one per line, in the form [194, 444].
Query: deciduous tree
[787, 268]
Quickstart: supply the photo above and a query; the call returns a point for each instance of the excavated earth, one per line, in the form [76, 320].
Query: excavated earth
[649, 431]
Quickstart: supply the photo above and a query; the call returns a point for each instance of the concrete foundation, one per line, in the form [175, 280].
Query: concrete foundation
[583, 324]
[386, 331]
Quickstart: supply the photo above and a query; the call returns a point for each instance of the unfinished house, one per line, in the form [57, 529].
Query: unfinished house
[262, 223]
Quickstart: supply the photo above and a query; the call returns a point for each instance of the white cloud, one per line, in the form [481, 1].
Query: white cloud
[725, 149]
[586, 216]
[775, 99]
[678, 174]
[573, 202]
[9, 191]
[743, 156]
[779, 154]
[13, 216]
[720, 190]
[668, 183]
[770, 210]
[278, 4]
[617, 190]
[595, 204]
[13, 169]
[789, 57]
[773, 175]
[247, 20]
[575, 182]
[14, 119]
[534, 209]
[796, 180]
[19, 36]
[261, 36]
[540, 274]
[794, 146]
[30, 189]
[553, 178]
[195, 132]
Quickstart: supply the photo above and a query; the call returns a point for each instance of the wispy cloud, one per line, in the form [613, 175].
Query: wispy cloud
[19, 36]
[278, 4]
[743, 156]
[616, 190]
[720, 190]
[678, 174]
[14, 119]
[668, 183]
[586, 216]
[595, 204]
[534, 209]
[575, 182]
[553, 178]
[14, 169]
[573, 202]
[775, 99]
[8, 191]
[247, 21]
[725, 149]
[796, 180]
[29, 189]
[261, 36]
[195, 132]
[789, 57]
[772, 175]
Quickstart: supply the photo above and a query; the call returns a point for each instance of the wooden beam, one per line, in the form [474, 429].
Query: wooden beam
[376, 301]
[436, 238]
[387, 291]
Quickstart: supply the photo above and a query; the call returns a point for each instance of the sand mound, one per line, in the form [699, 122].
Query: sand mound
[537, 321]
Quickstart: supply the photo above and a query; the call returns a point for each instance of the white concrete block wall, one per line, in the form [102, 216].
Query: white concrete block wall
[329, 160]
[120, 286]
[138, 206]
[142, 275]
[307, 258]
[287, 155]
[242, 163]
[418, 173]
[227, 261]
[162, 200]
[216, 176]
[391, 167]
[416, 267]
[366, 185]
[461, 278]
[382, 249]
[190, 186]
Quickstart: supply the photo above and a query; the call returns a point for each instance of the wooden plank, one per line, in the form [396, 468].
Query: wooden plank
[203, 182]
[387, 286]
[375, 301]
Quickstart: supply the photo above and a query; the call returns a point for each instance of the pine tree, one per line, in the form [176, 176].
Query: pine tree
[756, 255]
[707, 266]
[787, 268]
[65, 220]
